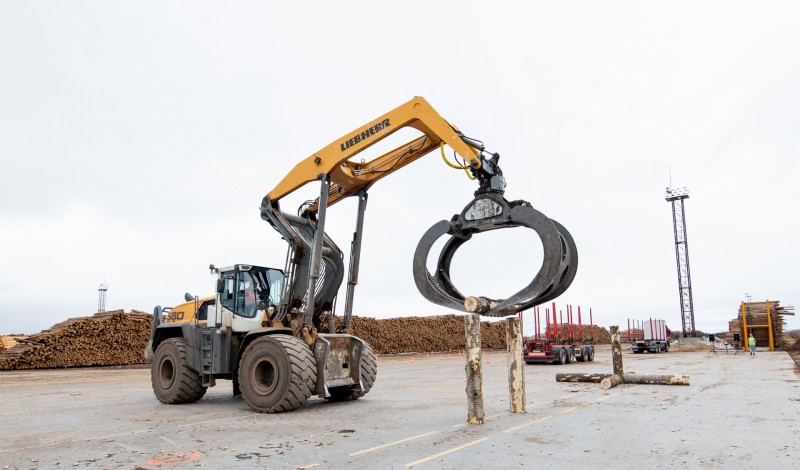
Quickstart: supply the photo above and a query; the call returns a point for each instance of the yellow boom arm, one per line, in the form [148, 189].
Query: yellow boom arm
[348, 178]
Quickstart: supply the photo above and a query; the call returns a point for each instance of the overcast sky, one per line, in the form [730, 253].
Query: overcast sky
[138, 138]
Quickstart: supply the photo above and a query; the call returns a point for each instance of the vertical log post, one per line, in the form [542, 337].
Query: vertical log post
[616, 351]
[516, 367]
[472, 333]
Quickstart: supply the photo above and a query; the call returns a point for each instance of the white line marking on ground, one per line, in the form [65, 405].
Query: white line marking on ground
[371, 449]
[449, 451]
[535, 421]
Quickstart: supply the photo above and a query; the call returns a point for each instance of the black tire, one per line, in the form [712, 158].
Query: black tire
[277, 373]
[172, 379]
[562, 356]
[369, 371]
[584, 357]
[591, 354]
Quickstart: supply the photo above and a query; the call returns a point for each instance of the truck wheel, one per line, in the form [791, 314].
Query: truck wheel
[570, 355]
[584, 357]
[172, 378]
[591, 354]
[562, 356]
[277, 373]
[369, 371]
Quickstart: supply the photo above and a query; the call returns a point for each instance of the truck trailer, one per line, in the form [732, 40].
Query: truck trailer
[652, 336]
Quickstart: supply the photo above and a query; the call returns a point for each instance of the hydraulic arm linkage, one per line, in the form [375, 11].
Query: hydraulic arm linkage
[315, 267]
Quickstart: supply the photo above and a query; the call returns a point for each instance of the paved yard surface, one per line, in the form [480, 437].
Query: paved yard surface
[739, 411]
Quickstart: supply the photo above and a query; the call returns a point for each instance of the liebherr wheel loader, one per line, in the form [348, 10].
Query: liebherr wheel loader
[260, 330]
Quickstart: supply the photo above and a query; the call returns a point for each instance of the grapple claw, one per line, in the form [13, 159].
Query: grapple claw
[490, 211]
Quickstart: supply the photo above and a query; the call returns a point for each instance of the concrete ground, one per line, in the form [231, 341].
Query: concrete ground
[739, 411]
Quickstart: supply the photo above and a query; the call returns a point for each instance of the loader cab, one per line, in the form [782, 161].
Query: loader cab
[245, 293]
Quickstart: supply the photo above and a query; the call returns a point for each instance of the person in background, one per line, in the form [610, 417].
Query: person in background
[751, 342]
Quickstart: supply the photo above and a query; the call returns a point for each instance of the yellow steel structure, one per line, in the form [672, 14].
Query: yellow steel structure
[348, 177]
[768, 326]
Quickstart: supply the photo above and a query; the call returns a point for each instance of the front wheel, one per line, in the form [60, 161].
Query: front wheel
[172, 379]
[277, 373]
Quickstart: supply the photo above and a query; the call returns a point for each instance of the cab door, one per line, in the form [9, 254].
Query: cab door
[245, 308]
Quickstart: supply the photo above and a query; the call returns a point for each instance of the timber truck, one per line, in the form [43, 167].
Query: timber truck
[261, 329]
[559, 345]
[651, 336]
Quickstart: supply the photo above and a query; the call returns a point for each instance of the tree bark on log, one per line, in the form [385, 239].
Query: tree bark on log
[611, 381]
[473, 368]
[677, 379]
[616, 350]
[592, 378]
[516, 367]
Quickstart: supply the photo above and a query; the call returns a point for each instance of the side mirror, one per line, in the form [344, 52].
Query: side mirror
[220, 286]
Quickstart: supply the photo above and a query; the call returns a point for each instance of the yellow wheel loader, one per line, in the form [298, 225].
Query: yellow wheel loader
[260, 329]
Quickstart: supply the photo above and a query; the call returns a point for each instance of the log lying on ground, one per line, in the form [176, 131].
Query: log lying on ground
[592, 378]
[677, 379]
[612, 381]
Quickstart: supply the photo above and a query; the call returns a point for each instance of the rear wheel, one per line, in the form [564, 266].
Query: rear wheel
[172, 379]
[584, 355]
[369, 371]
[591, 354]
[562, 357]
[277, 373]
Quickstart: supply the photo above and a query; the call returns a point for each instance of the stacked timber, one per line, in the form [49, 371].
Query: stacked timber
[756, 314]
[572, 332]
[9, 341]
[119, 338]
[421, 334]
[108, 338]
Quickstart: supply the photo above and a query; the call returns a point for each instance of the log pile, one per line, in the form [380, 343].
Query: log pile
[599, 334]
[109, 338]
[757, 315]
[421, 334]
[118, 338]
[9, 341]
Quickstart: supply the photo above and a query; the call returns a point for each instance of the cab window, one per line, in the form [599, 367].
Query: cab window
[246, 301]
[228, 291]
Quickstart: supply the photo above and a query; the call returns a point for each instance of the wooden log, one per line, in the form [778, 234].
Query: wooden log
[478, 304]
[616, 351]
[591, 378]
[516, 367]
[473, 368]
[656, 379]
[611, 381]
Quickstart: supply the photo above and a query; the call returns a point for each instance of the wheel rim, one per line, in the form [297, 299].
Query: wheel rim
[166, 373]
[264, 378]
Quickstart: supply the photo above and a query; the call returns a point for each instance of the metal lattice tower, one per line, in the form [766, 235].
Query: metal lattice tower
[101, 303]
[676, 197]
